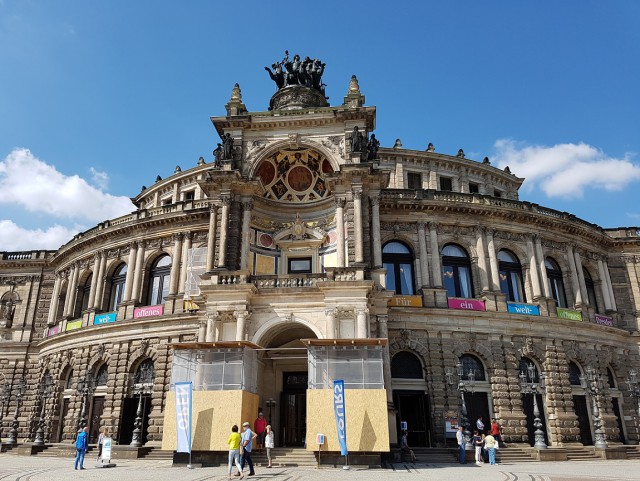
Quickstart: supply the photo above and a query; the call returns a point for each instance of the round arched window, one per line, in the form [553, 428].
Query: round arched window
[397, 259]
[405, 365]
[159, 280]
[456, 271]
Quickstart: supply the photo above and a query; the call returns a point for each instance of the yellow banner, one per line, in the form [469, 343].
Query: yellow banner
[405, 301]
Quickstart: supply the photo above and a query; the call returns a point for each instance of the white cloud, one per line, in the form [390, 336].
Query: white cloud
[565, 170]
[100, 179]
[15, 238]
[36, 186]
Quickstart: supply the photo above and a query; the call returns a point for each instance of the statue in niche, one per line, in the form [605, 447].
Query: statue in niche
[372, 147]
[6, 313]
[227, 147]
[356, 140]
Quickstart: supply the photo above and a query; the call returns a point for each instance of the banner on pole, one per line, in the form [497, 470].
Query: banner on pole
[339, 410]
[183, 416]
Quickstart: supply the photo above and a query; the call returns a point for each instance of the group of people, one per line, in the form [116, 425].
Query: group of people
[485, 442]
[82, 445]
[241, 445]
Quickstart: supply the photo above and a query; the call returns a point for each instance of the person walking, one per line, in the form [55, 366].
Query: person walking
[247, 446]
[82, 443]
[234, 451]
[490, 444]
[477, 443]
[462, 449]
[101, 436]
[268, 443]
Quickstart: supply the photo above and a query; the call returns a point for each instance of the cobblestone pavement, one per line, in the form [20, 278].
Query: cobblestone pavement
[24, 468]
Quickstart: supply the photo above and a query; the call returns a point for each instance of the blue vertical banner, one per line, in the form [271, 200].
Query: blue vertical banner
[183, 416]
[339, 410]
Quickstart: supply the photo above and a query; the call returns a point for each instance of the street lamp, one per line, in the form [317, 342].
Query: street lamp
[142, 384]
[18, 391]
[45, 389]
[594, 385]
[4, 402]
[86, 387]
[462, 386]
[270, 404]
[634, 390]
[530, 385]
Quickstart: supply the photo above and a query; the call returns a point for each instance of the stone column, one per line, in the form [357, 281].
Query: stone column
[482, 258]
[609, 285]
[340, 231]
[533, 269]
[94, 280]
[175, 264]
[361, 323]
[247, 205]
[544, 280]
[331, 323]
[375, 228]
[422, 247]
[97, 302]
[133, 250]
[138, 271]
[604, 286]
[224, 228]
[186, 246]
[435, 255]
[55, 299]
[71, 287]
[575, 284]
[493, 262]
[241, 317]
[211, 241]
[581, 281]
[211, 321]
[357, 225]
[383, 332]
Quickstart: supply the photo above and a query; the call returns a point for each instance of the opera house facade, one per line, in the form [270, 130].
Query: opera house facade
[303, 253]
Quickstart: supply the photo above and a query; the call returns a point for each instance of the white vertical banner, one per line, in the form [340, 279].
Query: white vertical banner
[183, 416]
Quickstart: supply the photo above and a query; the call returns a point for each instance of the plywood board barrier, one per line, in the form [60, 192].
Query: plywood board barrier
[366, 415]
[214, 412]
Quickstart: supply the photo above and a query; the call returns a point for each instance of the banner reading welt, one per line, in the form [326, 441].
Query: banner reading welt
[149, 311]
[526, 309]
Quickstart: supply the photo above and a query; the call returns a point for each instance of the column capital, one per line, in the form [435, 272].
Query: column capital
[212, 315]
[330, 312]
[360, 311]
[480, 229]
[242, 313]
[213, 208]
[340, 202]
[176, 237]
[432, 225]
[382, 318]
[226, 199]
[357, 194]
[188, 235]
[375, 199]
[421, 225]
[247, 204]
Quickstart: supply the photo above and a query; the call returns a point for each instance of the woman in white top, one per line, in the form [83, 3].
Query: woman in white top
[268, 442]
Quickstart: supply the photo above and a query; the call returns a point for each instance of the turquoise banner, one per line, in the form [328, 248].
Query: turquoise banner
[104, 318]
[527, 309]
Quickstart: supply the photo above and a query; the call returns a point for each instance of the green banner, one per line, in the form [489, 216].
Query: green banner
[569, 314]
[71, 325]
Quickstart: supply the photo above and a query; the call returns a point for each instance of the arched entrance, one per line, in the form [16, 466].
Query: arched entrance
[283, 381]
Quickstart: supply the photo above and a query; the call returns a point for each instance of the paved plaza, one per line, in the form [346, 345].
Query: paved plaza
[23, 468]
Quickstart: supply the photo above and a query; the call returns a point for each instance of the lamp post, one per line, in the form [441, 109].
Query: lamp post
[594, 385]
[18, 391]
[634, 390]
[270, 404]
[462, 386]
[530, 385]
[86, 387]
[4, 401]
[45, 389]
[142, 384]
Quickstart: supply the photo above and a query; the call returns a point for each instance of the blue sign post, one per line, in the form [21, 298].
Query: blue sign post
[341, 419]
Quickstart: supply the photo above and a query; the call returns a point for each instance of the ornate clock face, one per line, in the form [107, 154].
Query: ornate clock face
[295, 175]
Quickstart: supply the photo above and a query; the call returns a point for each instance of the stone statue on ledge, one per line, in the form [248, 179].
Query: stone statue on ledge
[307, 73]
[227, 147]
[372, 147]
[356, 140]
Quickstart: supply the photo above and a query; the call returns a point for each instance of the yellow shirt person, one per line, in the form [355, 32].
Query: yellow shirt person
[234, 441]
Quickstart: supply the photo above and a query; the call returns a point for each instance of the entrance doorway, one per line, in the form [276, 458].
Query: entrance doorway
[616, 410]
[413, 408]
[97, 409]
[580, 408]
[293, 408]
[64, 412]
[129, 410]
[477, 405]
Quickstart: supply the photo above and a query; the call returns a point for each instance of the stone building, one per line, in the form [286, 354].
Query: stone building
[303, 229]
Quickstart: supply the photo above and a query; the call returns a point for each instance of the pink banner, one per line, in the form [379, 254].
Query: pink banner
[149, 311]
[604, 320]
[467, 304]
[53, 330]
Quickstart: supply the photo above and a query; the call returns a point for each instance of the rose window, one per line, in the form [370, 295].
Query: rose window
[295, 175]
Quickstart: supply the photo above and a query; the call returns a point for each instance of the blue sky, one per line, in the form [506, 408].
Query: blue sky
[99, 97]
